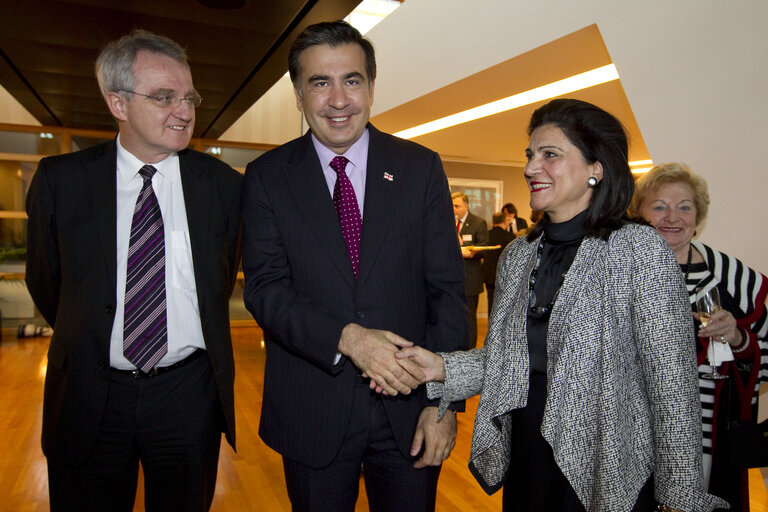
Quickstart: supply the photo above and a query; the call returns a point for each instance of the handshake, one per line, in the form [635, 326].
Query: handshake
[393, 363]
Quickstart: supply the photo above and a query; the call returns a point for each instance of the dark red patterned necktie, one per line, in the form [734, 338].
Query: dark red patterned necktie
[345, 202]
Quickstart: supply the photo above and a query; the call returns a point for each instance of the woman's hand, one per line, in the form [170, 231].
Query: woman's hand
[430, 363]
[721, 327]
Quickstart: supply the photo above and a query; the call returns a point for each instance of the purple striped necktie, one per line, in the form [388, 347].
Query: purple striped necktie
[345, 202]
[145, 326]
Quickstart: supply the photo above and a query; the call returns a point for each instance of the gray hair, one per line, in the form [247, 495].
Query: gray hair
[114, 65]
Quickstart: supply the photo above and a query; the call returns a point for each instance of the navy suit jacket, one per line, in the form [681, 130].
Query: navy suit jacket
[474, 231]
[301, 290]
[72, 276]
[496, 236]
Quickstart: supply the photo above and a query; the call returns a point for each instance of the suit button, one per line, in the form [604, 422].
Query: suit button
[110, 309]
[360, 314]
[102, 365]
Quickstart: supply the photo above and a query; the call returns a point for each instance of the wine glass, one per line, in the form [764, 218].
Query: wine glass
[707, 303]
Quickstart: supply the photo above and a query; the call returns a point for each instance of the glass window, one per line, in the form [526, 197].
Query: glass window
[484, 195]
[80, 143]
[30, 143]
[235, 157]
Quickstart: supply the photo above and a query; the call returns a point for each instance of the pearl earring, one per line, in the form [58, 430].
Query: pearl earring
[592, 182]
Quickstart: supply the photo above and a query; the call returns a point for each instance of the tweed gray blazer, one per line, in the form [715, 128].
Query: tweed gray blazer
[622, 399]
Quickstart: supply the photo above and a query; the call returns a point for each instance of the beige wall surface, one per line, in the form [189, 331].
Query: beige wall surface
[12, 112]
[694, 72]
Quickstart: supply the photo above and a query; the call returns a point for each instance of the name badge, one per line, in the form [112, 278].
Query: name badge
[466, 238]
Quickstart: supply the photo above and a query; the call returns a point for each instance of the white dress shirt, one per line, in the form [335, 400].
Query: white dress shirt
[185, 332]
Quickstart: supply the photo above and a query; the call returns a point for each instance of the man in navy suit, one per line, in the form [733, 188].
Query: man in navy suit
[349, 254]
[472, 230]
[106, 409]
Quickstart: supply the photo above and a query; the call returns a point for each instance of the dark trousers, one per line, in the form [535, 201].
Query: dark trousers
[172, 423]
[534, 481]
[391, 482]
[472, 301]
[726, 480]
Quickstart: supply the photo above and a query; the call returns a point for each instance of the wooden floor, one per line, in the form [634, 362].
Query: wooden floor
[249, 480]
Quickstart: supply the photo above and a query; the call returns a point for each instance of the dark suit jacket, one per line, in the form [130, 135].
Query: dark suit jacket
[71, 274]
[300, 287]
[521, 224]
[496, 236]
[475, 227]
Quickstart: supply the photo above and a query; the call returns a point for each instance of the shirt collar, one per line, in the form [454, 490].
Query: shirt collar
[356, 154]
[128, 165]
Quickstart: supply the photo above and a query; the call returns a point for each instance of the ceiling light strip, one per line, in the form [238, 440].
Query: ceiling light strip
[567, 85]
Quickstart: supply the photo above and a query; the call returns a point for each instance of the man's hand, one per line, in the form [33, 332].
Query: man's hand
[438, 437]
[373, 352]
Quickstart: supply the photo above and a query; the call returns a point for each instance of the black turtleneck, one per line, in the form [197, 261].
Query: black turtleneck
[561, 242]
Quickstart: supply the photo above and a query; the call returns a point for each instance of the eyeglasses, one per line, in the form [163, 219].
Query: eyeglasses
[165, 100]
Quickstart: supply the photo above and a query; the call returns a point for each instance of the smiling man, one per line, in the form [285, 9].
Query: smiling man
[133, 249]
[349, 254]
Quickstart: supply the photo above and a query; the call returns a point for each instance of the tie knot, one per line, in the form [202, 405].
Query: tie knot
[147, 172]
[339, 163]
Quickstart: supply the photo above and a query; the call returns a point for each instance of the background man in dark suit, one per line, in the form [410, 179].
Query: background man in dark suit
[514, 223]
[139, 369]
[498, 235]
[346, 258]
[472, 230]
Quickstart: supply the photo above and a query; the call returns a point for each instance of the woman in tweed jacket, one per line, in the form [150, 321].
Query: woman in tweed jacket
[587, 379]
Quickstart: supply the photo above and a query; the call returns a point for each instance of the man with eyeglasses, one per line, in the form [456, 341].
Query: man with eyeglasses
[133, 251]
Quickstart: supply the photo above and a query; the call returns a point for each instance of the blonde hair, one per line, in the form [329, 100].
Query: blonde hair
[673, 172]
[462, 196]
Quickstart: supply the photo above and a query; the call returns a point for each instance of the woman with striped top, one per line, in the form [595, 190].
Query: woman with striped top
[675, 201]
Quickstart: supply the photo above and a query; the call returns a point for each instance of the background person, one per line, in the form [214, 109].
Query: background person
[342, 266]
[516, 226]
[589, 398]
[472, 230]
[675, 201]
[498, 235]
[140, 365]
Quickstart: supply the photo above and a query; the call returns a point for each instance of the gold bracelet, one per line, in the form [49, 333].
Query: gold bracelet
[667, 508]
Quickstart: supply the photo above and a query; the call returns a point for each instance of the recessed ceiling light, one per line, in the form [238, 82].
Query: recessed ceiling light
[567, 85]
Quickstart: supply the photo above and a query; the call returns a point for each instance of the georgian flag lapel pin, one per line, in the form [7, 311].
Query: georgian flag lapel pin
[388, 176]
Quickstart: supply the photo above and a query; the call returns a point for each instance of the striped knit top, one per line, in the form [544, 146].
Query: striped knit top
[743, 292]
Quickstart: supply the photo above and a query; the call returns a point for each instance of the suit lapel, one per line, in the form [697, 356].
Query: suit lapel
[196, 188]
[304, 176]
[102, 179]
[380, 196]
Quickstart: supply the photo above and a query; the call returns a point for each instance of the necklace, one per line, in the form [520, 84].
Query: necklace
[540, 310]
[688, 264]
